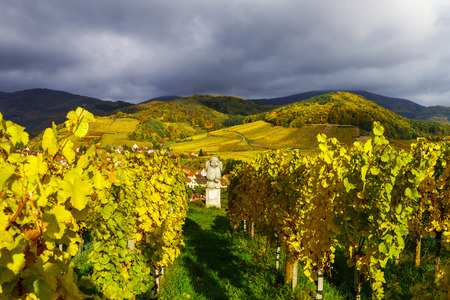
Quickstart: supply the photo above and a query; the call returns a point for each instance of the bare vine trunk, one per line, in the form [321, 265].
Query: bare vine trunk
[277, 262]
[288, 271]
[438, 253]
[294, 275]
[319, 294]
[418, 240]
[252, 229]
[418, 249]
[80, 248]
[358, 284]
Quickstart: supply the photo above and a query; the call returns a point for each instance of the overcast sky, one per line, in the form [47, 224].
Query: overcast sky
[140, 49]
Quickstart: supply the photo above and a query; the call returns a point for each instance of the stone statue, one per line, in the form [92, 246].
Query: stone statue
[213, 173]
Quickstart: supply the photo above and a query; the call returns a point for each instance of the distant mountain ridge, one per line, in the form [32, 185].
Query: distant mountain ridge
[35, 109]
[161, 98]
[402, 107]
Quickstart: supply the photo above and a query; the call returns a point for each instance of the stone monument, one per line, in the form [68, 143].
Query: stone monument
[213, 176]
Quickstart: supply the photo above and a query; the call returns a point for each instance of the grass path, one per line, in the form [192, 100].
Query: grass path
[218, 263]
[215, 265]
[244, 139]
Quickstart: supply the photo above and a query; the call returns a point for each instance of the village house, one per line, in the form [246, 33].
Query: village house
[191, 183]
[200, 179]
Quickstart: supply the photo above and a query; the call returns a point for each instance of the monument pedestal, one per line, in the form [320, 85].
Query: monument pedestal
[212, 197]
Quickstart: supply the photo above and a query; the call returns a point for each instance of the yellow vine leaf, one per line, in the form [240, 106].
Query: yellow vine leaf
[49, 142]
[68, 151]
[82, 126]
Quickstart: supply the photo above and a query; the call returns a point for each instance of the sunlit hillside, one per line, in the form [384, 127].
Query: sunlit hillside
[350, 109]
[113, 132]
[203, 122]
[261, 136]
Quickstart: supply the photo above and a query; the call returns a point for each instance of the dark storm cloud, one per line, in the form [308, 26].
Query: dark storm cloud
[135, 50]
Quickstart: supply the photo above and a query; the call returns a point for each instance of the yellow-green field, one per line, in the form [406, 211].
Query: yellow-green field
[113, 131]
[109, 131]
[113, 125]
[181, 126]
[247, 139]
[119, 139]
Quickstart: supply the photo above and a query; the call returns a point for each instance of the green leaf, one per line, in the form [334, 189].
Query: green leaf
[400, 230]
[377, 129]
[364, 170]
[368, 146]
[408, 193]
[374, 171]
[55, 229]
[18, 262]
[383, 248]
[385, 156]
[42, 289]
[6, 171]
[348, 185]
[388, 188]
[62, 215]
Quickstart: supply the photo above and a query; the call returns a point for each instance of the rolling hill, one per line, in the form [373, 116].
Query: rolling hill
[229, 105]
[202, 112]
[402, 107]
[35, 109]
[161, 98]
[349, 109]
[166, 123]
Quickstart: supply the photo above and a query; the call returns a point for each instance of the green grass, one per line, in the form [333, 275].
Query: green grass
[215, 264]
[218, 263]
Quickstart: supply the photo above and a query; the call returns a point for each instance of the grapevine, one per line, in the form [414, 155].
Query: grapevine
[45, 206]
[358, 198]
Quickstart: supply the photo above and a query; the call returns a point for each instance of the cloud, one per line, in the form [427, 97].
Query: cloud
[136, 50]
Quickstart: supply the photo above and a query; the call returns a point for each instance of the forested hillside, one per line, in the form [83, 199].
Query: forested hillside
[202, 112]
[350, 109]
[35, 109]
[402, 107]
[230, 105]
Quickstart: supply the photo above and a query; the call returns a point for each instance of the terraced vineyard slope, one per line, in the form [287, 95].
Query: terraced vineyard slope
[247, 139]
